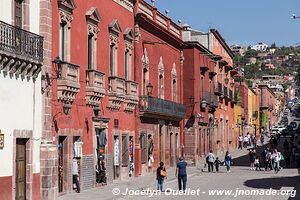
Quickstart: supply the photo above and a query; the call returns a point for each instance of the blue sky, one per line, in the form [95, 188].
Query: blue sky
[240, 21]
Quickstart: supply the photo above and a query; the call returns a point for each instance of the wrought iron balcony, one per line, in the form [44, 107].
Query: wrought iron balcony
[21, 52]
[225, 92]
[95, 87]
[216, 101]
[20, 42]
[230, 94]
[160, 108]
[206, 96]
[67, 81]
[219, 89]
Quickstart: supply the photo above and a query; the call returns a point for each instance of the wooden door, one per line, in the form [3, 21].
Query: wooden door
[21, 169]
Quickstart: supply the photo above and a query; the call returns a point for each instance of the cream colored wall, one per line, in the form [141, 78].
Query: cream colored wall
[5, 11]
[21, 104]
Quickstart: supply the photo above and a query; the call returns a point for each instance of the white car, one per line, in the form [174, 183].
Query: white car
[281, 128]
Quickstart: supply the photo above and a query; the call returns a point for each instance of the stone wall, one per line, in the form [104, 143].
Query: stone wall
[88, 172]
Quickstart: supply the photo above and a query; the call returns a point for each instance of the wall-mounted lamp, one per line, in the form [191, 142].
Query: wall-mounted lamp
[149, 88]
[203, 104]
[96, 111]
[66, 108]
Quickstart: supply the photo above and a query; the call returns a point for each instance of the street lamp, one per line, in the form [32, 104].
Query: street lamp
[96, 111]
[66, 108]
[149, 89]
[203, 104]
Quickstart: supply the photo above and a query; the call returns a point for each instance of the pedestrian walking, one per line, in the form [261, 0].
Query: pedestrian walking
[217, 164]
[276, 156]
[75, 175]
[161, 174]
[240, 140]
[181, 174]
[246, 141]
[257, 164]
[228, 161]
[268, 164]
[262, 139]
[252, 156]
[254, 143]
[210, 161]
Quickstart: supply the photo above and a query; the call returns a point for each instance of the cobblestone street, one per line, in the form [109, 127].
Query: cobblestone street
[240, 178]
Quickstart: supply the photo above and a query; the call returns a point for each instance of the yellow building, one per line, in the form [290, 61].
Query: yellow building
[253, 112]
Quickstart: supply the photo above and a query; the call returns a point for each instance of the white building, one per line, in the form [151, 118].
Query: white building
[260, 47]
[21, 58]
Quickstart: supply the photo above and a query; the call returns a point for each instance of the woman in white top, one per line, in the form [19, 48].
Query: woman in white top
[276, 159]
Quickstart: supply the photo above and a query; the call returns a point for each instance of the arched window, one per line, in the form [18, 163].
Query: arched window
[145, 75]
[174, 83]
[161, 79]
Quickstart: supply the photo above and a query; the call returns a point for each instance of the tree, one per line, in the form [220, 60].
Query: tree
[273, 46]
[251, 53]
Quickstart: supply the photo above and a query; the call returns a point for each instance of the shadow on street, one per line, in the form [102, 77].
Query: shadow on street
[276, 183]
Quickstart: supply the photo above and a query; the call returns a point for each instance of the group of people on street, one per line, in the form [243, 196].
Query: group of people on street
[212, 161]
[246, 141]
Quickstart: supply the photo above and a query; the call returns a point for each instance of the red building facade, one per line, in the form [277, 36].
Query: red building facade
[93, 80]
[159, 134]
[202, 102]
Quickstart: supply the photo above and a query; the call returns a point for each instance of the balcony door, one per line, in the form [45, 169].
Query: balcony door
[18, 13]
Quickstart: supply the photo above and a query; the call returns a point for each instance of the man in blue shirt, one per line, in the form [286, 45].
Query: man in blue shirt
[181, 174]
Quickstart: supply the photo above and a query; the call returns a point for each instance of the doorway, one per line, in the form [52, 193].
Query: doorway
[171, 150]
[21, 168]
[160, 141]
[199, 142]
[62, 163]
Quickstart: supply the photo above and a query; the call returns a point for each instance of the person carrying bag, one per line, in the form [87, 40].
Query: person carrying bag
[161, 174]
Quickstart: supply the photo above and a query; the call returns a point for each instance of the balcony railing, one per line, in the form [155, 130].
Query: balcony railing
[19, 42]
[216, 101]
[206, 97]
[95, 88]
[231, 94]
[95, 79]
[219, 89]
[155, 106]
[132, 88]
[67, 81]
[116, 85]
[225, 91]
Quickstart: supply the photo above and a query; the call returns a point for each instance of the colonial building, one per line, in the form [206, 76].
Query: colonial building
[94, 92]
[21, 60]
[202, 102]
[223, 87]
[159, 72]
[267, 107]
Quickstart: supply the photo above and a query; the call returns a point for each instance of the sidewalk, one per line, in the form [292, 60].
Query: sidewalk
[142, 182]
